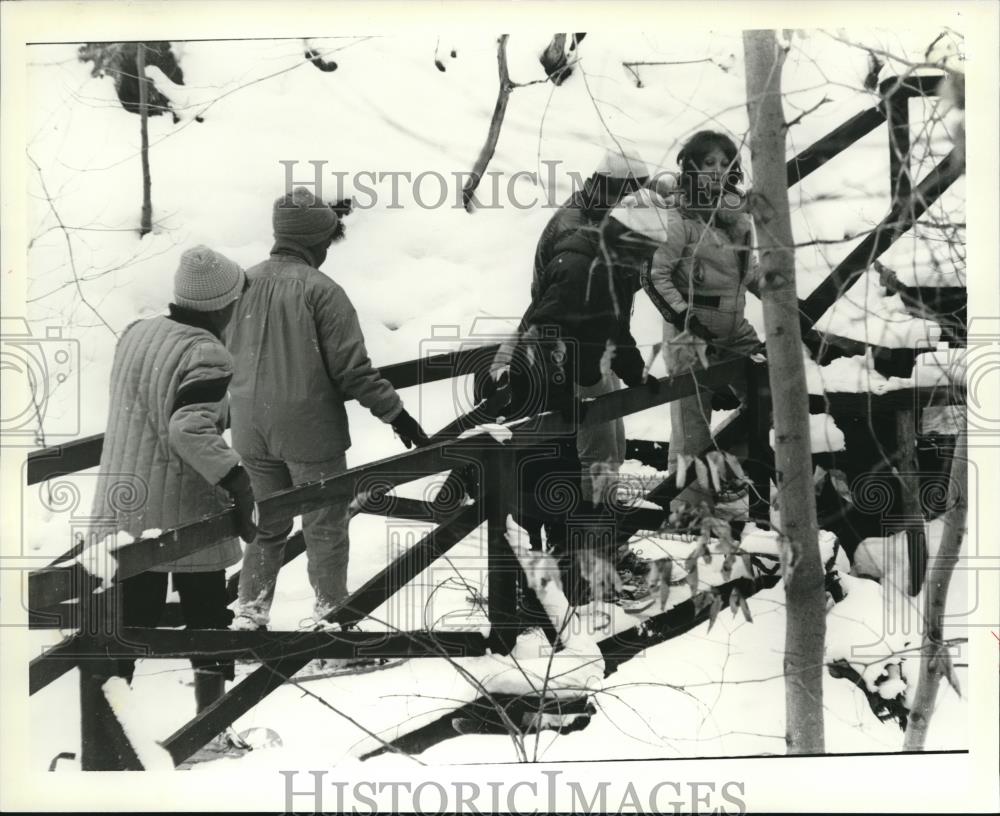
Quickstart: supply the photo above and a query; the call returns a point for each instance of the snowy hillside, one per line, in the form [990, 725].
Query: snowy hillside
[427, 278]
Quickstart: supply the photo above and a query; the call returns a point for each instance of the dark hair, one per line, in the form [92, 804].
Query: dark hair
[342, 208]
[693, 153]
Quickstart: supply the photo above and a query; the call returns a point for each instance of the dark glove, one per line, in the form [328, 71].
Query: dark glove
[409, 431]
[725, 399]
[491, 386]
[652, 384]
[237, 484]
[628, 364]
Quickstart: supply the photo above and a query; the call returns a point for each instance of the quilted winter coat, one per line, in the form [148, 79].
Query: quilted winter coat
[163, 450]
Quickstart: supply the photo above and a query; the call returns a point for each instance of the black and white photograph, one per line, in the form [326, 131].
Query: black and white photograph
[540, 407]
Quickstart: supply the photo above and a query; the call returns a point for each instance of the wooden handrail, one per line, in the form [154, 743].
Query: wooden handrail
[81, 454]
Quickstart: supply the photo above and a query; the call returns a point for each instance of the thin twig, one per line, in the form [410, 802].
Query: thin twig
[69, 246]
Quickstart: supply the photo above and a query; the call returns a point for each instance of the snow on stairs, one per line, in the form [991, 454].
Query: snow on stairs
[620, 635]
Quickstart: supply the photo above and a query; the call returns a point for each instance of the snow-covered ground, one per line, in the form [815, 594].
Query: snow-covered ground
[428, 279]
[706, 693]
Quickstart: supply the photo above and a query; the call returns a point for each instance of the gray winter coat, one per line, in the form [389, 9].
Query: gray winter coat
[299, 353]
[709, 270]
[163, 450]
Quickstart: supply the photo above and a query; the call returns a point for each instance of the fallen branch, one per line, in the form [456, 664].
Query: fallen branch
[503, 95]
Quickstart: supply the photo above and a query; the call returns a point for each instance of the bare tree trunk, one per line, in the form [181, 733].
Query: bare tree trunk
[496, 123]
[934, 658]
[146, 222]
[805, 595]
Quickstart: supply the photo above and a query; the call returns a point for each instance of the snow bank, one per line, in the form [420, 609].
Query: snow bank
[824, 435]
[99, 559]
[135, 724]
[866, 314]
[857, 375]
[409, 271]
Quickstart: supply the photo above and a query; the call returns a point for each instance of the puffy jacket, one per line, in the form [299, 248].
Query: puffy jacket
[569, 218]
[299, 353]
[590, 305]
[163, 451]
[709, 270]
[586, 207]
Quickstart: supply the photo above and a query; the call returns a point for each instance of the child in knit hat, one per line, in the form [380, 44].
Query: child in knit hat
[163, 442]
[300, 355]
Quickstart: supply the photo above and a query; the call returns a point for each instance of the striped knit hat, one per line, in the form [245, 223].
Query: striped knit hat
[302, 218]
[206, 281]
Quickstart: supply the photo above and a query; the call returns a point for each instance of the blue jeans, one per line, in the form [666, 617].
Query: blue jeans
[325, 531]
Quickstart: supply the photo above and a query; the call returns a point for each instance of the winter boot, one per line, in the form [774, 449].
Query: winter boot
[209, 686]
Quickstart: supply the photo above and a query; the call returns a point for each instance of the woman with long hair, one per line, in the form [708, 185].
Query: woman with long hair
[699, 278]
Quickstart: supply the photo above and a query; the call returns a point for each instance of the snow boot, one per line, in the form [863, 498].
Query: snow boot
[209, 686]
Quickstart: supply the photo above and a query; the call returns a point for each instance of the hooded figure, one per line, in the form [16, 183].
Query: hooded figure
[577, 343]
[619, 174]
[300, 354]
[164, 461]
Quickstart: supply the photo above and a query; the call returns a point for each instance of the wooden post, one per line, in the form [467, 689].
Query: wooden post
[146, 221]
[897, 110]
[503, 566]
[759, 426]
[103, 744]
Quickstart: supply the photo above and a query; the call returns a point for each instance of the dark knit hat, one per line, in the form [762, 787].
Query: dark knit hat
[301, 217]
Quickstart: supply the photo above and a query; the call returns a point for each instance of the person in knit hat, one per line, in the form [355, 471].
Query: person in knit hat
[300, 355]
[164, 461]
[619, 173]
[577, 340]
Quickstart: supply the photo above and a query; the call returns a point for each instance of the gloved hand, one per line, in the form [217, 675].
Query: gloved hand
[725, 399]
[237, 484]
[497, 381]
[409, 430]
[759, 354]
[688, 350]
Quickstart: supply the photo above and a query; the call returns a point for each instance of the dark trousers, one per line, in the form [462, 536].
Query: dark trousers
[204, 605]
